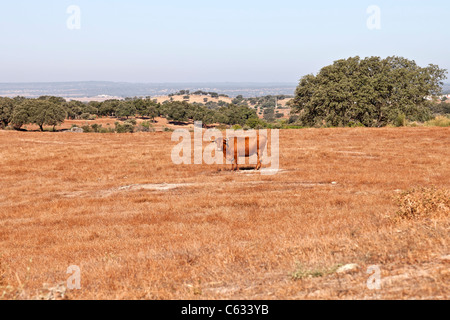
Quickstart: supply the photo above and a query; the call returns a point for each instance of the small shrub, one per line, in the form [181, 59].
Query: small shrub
[96, 127]
[277, 126]
[301, 272]
[132, 121]
[145, 127]
[236, 127]
[124, 128]
[423, 202]
[400, 121]
[87, 129]
[222, 127]
[355, 124]
[85, 116]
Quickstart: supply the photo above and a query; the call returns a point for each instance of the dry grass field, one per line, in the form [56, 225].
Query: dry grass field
[140, 227]
[109, 123]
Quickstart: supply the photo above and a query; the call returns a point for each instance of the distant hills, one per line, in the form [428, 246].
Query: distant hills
[75, 90]
[446, 88]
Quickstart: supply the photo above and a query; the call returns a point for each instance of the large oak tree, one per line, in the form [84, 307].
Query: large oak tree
[372, 92]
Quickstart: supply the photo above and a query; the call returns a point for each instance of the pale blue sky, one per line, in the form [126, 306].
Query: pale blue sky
[211, 41]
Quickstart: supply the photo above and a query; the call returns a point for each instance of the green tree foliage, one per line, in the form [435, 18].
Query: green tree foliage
[40, 112]
[239, 100]
[6, 111]
[152, 111]
[440, 108]
[126, 109]
[140, 106]
[177, 111]
[52, 111]
[125, 127]
[108, 108]
[90, 108]
[234, 114]
[55, 100]
[372, 92]
[269, 114]
[22, 114]
[255, 123]
[55, 114]
[74, 109]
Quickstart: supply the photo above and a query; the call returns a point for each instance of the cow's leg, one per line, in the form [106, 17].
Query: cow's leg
[236, 154]
[258, 164]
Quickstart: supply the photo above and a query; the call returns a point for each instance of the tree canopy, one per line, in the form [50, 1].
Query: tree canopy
[38, 111]
[370, 92]
[6, 111]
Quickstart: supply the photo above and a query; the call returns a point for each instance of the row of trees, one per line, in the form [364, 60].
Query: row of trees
[52, 111]
[42, 111]
[230, 114]
[371, 92]
[198, 92]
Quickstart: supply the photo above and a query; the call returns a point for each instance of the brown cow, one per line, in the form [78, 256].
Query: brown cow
[242, 147]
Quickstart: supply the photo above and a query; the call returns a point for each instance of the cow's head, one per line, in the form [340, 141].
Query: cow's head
[220, 143]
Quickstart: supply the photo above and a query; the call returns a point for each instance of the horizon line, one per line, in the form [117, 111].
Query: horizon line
[130, 82]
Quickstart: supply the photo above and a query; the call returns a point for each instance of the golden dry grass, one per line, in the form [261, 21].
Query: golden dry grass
[217, 234]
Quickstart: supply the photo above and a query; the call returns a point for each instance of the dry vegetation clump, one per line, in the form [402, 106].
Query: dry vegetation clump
[439, 121]
[424, 203]
[301, 272]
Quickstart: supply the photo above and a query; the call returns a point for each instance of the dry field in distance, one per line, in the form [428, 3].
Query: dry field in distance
[109, 123]
[140, 227]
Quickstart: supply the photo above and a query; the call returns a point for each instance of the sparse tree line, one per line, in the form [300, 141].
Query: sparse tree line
[52, 111]
[186, 93]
